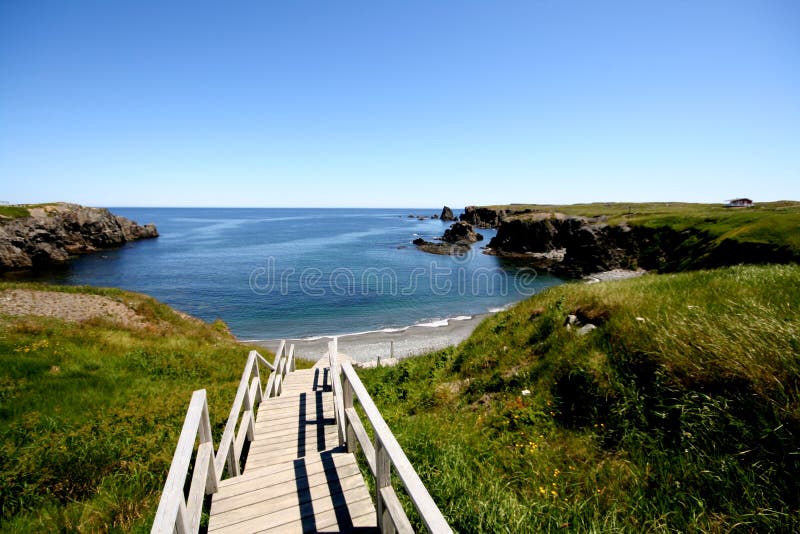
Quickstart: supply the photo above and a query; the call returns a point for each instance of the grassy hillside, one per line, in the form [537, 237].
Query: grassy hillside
[679, 412]
[764, 223]
[90, 414]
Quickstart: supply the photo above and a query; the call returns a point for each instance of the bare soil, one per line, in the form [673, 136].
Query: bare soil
[67, 306]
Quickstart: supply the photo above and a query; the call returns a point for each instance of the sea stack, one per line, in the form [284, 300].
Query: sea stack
[447, 214]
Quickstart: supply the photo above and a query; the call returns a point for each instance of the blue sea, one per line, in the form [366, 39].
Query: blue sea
[287, 273]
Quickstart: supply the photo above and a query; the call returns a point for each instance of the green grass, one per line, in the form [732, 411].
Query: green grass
[17, 211]
[90, 414]
[13, 212]
[680, 412]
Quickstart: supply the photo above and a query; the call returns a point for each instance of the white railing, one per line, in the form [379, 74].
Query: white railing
[381, 455]
[177, 512]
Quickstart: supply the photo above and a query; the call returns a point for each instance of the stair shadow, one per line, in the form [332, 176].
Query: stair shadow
[344, 521]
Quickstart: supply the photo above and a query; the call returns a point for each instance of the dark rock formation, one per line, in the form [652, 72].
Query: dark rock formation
[483, 217]
[441, 248]
[593, 246]
[53, 232]
[455, 241]
[447, 214]
[461, 233]
[590, 246]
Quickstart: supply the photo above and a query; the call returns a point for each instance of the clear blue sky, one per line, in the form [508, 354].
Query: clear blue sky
[408, 103]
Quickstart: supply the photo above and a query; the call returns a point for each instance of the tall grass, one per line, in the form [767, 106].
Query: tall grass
[90, 414]
[679, 412]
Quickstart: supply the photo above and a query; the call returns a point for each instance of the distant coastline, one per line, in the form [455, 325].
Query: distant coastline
[289, 273]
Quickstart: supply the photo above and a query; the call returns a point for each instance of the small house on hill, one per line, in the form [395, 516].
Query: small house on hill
[740, 203]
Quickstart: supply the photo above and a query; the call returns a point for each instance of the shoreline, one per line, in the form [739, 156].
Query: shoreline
[365, 347]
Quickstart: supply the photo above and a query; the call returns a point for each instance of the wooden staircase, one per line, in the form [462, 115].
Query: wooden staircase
[288, 451]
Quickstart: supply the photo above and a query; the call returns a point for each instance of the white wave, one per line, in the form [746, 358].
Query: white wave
[312, 338]
[461, 318]
[381, 331]
[433, 324]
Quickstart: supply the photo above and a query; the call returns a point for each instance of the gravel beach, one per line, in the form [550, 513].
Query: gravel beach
[369, 346]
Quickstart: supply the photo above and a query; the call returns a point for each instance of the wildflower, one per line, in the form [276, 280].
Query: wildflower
[542, 490]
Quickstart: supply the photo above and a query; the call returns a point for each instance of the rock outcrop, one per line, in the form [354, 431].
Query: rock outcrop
[455, 241]
[440, 248]
[577, 246]
[447, 214]
[461, 233]
[54, 232]
[483, 217]
[589, 246]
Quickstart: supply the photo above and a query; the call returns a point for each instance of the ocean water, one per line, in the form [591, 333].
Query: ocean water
[274, 273]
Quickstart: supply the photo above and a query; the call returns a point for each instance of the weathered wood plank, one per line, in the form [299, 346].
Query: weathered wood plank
[273, 414]
[311, 440]
[328, 522]
[313, 463]
[293, 474]
[355, 502]
[276, 497]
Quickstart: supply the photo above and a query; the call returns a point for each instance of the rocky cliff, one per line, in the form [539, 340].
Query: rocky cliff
[589, 245]
[51, 233]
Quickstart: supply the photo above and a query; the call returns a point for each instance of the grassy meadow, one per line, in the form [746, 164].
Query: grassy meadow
[680, 412]
[90, 414]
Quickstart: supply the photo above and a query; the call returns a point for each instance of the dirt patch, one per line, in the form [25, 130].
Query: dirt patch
[67, 306]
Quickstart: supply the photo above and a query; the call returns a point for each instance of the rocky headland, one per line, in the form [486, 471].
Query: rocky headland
[574, 245]
[50, 233]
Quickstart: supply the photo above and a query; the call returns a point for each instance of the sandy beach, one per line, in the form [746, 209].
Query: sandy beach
[369, 346]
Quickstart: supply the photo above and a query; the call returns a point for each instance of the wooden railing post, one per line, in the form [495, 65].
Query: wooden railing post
[233, 465]
[248, 410]
[336, 386]
[205, 437]
[383, 478]
[347, 402]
